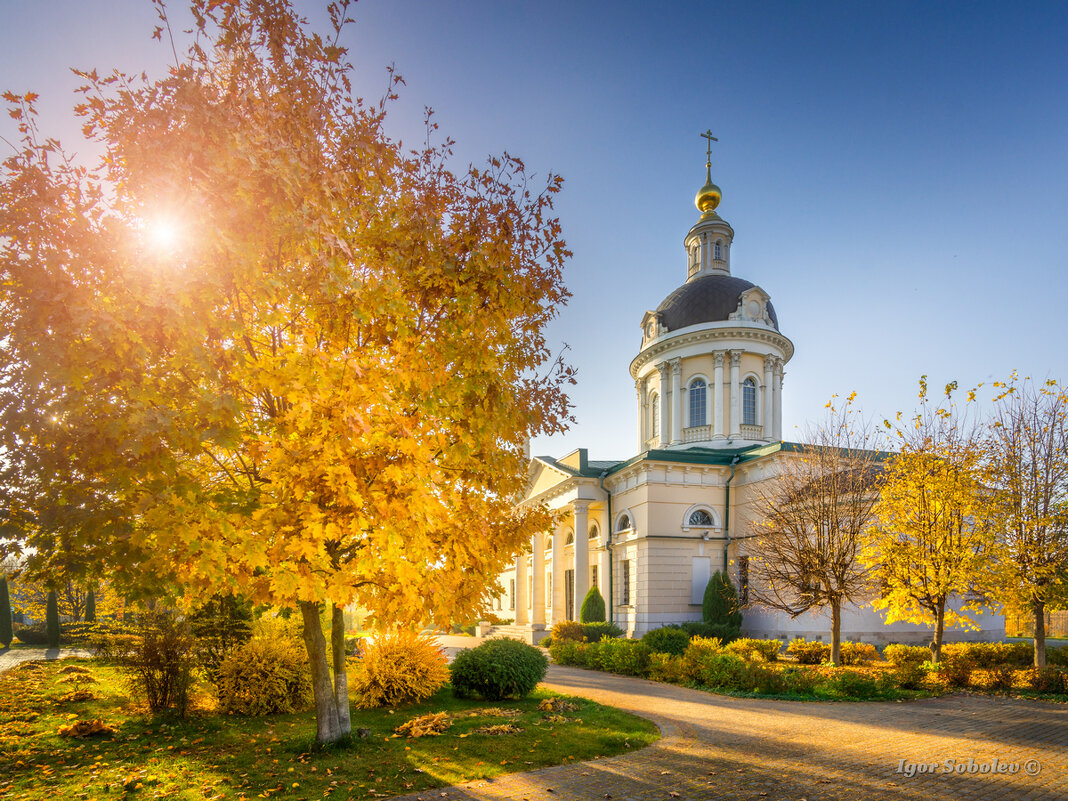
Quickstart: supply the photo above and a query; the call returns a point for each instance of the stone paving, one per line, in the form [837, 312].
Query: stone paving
[10, 657]
[717, 747]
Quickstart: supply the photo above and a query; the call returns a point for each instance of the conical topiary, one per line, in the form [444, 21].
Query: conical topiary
[592, 609]
[90, 606]
[52, 620]
[6, 634]
[721, 602]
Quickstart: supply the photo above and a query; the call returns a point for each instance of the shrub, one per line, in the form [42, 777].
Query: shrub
[852, 684]
[90, 606]
[910, 675]
[498, 669]
[721, 631]
[755, 650]
[723, 671]
[158, 662]
[1002, 678]
[955, 671]
[666, 667]
[698, 653]
[52, 619]
[858, 653]
[592, 609]
[264, 677]
[567, 652]
[720, 603]
[397, 668]
[1048, 680]
[568, 630]
[595, 632]
[222, 624]
[767, 681]
[808, 653]
[897, 654]
[667, 640]
[799, 680]
[627, 657]
[1054, 656]
[6, 632]
[32, 634]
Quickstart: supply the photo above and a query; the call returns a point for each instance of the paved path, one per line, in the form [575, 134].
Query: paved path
[10, 657]
[716, 747]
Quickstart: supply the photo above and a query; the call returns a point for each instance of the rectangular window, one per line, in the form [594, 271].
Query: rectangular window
[624, 578]
[511, 594]
[593, 575]
[698, 405]
[549, 590]
[700, 572]
[743, 580]
[530, 592]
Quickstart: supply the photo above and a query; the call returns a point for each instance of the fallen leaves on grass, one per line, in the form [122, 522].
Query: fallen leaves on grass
[75, 669]
[77, 695]
[76, 678]
[556, 705]
[85, 728]
[425, 725]
[498, 729]
[494, 712]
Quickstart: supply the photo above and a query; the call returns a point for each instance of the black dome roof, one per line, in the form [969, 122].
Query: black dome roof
[708, 299]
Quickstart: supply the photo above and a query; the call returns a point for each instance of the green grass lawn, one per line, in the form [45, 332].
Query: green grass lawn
[211, 756]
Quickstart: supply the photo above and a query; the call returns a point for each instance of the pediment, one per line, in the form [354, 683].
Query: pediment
[543, 476]
[753, 307]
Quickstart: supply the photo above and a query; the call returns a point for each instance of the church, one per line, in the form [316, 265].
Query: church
[651, 530]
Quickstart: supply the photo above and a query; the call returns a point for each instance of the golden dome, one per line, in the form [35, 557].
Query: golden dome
[709, 195]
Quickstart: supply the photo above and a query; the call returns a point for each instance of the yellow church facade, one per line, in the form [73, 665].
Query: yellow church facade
[649, 531]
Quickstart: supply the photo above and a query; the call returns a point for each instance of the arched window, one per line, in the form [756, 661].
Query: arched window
[749, 402]
[624, 523]
[693, 255]
[719, 249]
[655, 422]
[570, 538]
[698, 402]
[594, 532]
[701, 517]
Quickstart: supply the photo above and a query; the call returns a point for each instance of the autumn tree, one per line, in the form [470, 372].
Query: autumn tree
[317, 388]
[932, 540]
[1028, 469]
[809, 524]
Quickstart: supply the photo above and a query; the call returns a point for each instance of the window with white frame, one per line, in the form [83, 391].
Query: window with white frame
[654, 423]
[749, 402]
[593, 575]
[511, 593]
[700, 517]
[624, 523]
[624, 573]
[698, 402]
[719, 249]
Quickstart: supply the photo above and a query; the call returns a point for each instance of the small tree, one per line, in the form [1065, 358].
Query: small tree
[6, 634]
[811, 522]
[720, 604]
[1027, 464]
[933, 539]
[592, 610]
[52, 620]
[90, 606]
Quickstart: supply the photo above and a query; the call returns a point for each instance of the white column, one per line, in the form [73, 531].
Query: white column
[665, 409]
[582, 553]
[639, 388]
[769, 405]
[557, 612]
[676, 402]
[521, 617]
[736, 391]
[537, 547]
[777, 412]
[717, 396]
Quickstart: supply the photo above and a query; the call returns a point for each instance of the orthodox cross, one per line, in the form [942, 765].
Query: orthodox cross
[708, 135]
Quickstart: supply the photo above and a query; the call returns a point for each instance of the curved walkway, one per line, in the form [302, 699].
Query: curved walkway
[10, 657]
[717, 747]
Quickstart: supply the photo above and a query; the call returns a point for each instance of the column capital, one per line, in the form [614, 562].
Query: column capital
[581, 507]
[718, 356]
[770, 361]
[662, 368]
[736, 358]
[676, 366]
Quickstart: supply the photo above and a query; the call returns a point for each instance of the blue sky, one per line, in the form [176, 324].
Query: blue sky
[896, 174]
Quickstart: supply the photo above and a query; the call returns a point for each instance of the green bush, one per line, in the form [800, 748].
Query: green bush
[720, 631]
[6, 632]
[52, 619]
[767, 681]
[909, 674]
[852, 684]
[700, 651]
[720, 603]
[809, 653]
[986, 655]
[755, 650]
[800, 680]
[90, 606]
[568, 652]
[592, 609]
[1056, 657]
[666, 667]
[32, 634]
[498, 669]
[857, 653]
[723, 671]
[220, 625]
[667, 640]
[265, 677]
[568, 630]
[1048, 680]
[626, 657]
[898, 655]
[955, 671]
[596, 631]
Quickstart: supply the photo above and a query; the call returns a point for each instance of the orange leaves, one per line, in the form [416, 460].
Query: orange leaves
[85, 728]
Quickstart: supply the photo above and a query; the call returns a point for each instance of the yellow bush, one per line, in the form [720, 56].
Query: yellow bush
[397, 668]
[264, 677]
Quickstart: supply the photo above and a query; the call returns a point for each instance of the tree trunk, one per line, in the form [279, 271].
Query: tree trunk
[327, 725]
[836, 632]
[940, 625]
[341, 676]
[1039, 609]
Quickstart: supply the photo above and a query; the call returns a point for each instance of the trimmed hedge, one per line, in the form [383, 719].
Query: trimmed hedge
[809, 653]
[667, 640]
[755, 650]
[498, 669]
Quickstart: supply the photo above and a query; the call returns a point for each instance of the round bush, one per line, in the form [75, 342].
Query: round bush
[667, 640]
[398, 668]
[592, 610]
[265, 677]
[498, 669]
